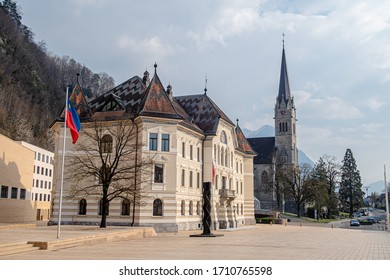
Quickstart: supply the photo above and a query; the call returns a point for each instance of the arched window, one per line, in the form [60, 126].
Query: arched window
[190, 208]
[125, 207]
[82, 207]
[101, 208]
[106, 144]
[223, 137]
[183, 207]
[157, 207]
[264, 179]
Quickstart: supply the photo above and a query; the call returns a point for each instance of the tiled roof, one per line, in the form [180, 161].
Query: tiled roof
[203, 111]
[242, 142]
[129, 92]
[156, 102]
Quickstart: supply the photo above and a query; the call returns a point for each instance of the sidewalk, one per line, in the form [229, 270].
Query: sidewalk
[267, 242]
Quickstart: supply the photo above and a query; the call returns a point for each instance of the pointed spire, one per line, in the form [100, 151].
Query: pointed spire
[237, 121]
[155, 68]
[205, 86]
[284, 86]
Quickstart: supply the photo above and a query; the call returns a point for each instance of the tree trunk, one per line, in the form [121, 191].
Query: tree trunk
[104, 208]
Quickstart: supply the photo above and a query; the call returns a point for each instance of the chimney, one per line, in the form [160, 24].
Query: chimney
[146, 79]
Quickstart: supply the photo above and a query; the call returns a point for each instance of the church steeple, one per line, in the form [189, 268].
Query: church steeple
[285, 118]
[284, 86]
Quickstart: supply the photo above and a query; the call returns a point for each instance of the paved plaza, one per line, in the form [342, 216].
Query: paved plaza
[260, 242]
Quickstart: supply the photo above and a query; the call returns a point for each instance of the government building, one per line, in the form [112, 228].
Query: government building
[185, 141]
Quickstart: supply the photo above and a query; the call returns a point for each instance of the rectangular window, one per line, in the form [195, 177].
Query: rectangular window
[183, 149]
[23, 194]
[40, 197]
[41, 184]
[198, 180]
[45, 184]
[183, 177]
[4, 192]
[165, 142]
[42, 170]
[47, 159]
[37, 183]
[36, 196]
[14, 193]
[50, 173]
[37, 169]
[158, 173]
[46, 172]
[153, 141]
[223, 182]
[44, 197]
[191, 175]
[48, 197]
[191, 153]
[49, 185]
[198, 154]
[39, 156]
[43, 158]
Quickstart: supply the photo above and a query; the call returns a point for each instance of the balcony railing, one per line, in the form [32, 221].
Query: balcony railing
[227, 194]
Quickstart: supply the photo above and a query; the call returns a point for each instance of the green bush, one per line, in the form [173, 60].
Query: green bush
[266, 220]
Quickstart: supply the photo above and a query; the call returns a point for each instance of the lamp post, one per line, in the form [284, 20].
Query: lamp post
[368, 202]
[387, 200]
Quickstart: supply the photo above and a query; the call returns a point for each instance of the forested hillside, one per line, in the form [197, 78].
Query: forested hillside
[33, 81]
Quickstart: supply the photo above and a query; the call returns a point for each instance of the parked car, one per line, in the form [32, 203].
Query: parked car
[354, 223]
[372, 220]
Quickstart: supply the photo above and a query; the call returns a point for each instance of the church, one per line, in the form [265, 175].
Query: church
[278, 150]
[188, 139]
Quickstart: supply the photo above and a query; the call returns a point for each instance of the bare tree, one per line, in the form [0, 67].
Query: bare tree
[297, 182]
[107, 163]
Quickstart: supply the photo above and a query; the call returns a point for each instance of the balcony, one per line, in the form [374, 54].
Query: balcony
[227, 194]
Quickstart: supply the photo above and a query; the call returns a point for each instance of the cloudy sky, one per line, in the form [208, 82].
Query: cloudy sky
[338, 59]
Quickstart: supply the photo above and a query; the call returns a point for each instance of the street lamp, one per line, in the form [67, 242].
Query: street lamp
[368, 202]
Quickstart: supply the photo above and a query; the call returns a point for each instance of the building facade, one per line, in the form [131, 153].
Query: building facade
[16, 177]
[189, 141]
[42, 180]
[280, 150]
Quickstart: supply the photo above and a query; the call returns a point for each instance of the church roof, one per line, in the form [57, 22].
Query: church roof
[203, 111]
[284, 86]
[264, 147]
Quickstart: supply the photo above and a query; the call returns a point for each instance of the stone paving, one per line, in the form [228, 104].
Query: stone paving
[260, 242]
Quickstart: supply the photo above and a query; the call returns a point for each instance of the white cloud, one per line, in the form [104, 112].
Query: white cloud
[331, 107]
[152, 46]
[374, 104]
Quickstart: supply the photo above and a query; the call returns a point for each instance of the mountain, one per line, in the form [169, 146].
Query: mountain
[264, 131]
[378, 186]
[33, 81]
[269, 131]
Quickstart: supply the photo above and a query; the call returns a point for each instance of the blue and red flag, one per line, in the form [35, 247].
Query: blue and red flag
[72, 121]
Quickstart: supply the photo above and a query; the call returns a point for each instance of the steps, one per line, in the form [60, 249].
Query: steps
[17, 248]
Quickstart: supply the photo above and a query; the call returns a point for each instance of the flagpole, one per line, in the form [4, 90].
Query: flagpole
[62, 169]
[387, 200]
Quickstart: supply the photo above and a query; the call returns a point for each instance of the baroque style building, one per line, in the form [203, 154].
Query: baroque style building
[189, 139]
[279, 150]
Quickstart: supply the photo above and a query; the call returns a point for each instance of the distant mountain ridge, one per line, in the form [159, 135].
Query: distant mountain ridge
[269, 131]
[378, 187]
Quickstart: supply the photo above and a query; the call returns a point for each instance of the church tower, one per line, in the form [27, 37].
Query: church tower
[285, 120]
